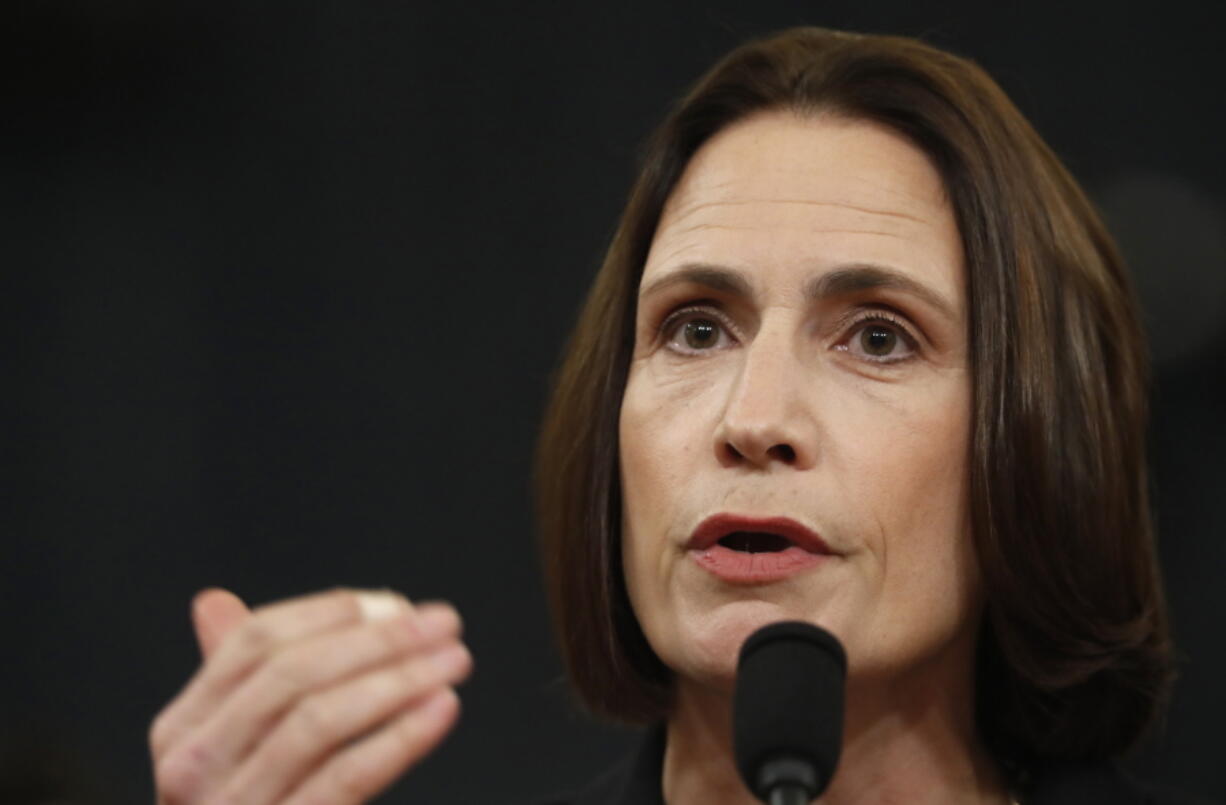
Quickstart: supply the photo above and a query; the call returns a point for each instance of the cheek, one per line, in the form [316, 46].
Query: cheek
[913, 489]
[665, 431]
[905, 460]
[661, 432]
[916, 490]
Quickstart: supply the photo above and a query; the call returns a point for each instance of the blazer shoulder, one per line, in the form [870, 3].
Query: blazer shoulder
[1167, 795]
[1106, 783]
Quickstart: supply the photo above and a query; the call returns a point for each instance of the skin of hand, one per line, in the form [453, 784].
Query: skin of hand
[327, 698]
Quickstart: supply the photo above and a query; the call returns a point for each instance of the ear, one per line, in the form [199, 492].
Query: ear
[215, 613]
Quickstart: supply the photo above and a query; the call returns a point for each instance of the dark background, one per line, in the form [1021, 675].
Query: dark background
[285, 281]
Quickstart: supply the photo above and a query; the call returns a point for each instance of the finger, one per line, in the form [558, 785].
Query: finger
[215, 613]
[245, 647]
[314, 665]
[321, 723]
[359, 772]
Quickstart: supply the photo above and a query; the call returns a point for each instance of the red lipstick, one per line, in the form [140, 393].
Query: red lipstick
[755, 550]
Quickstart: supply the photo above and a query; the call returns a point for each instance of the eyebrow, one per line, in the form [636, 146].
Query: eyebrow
[717, 278]
[865, 277]
[842, 281]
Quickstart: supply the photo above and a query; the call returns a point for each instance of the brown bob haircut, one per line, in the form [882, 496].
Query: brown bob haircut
[1074, 657]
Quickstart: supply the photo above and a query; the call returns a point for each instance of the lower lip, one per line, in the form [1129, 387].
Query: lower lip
[739, 567]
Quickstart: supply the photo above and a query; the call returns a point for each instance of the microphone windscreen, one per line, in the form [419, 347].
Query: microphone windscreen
[789, 701]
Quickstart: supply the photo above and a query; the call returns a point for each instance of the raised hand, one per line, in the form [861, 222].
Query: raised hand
[322, 699]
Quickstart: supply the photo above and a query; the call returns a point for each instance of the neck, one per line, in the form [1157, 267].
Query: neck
[912, 743]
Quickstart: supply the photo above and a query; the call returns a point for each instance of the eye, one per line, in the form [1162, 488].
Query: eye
[694, 330]
[879, 338]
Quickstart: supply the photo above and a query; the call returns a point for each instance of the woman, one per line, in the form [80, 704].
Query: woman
[862, 354]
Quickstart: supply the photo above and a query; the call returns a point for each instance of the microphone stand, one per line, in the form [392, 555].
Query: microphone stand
[789, 794]
[788, 781]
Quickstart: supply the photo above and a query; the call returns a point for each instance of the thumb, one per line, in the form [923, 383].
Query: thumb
[215, 612]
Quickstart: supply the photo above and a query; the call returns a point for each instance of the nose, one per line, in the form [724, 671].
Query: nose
[767, 419]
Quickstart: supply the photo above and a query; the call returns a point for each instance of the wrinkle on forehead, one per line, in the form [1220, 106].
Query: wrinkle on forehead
[857, 189]
[782, 209]
[680, 244]
[837, 230]
[905, 189]
[678, 217]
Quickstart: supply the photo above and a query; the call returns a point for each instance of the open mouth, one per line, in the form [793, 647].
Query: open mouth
[755, 542]
[746, 550]
[755, 535]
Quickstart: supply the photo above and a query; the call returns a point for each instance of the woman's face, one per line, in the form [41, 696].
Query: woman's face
[800, 370]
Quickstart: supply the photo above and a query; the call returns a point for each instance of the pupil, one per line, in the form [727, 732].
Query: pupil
[878, 340]
[700, 333]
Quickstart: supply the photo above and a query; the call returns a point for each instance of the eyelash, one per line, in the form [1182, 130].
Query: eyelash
[668, 328]
[877, 315]
[854, 324]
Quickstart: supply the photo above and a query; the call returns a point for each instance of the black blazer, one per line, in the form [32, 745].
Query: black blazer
[636, 781]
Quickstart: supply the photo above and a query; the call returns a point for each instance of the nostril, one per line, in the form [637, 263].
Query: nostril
[783, 452]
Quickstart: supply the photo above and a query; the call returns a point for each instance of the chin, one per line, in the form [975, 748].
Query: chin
[709, 641]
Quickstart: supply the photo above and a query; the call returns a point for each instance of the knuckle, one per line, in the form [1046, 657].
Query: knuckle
[394, 636]
[291, 672]
[160, 734]
[314, 718]
[256, 635]
[180, 775]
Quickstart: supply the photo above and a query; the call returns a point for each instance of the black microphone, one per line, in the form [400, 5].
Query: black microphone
[787, 714]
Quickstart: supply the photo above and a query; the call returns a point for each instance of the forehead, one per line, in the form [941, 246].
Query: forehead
[789, 192]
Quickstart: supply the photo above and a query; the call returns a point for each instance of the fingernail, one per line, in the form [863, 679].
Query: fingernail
[378, 606]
